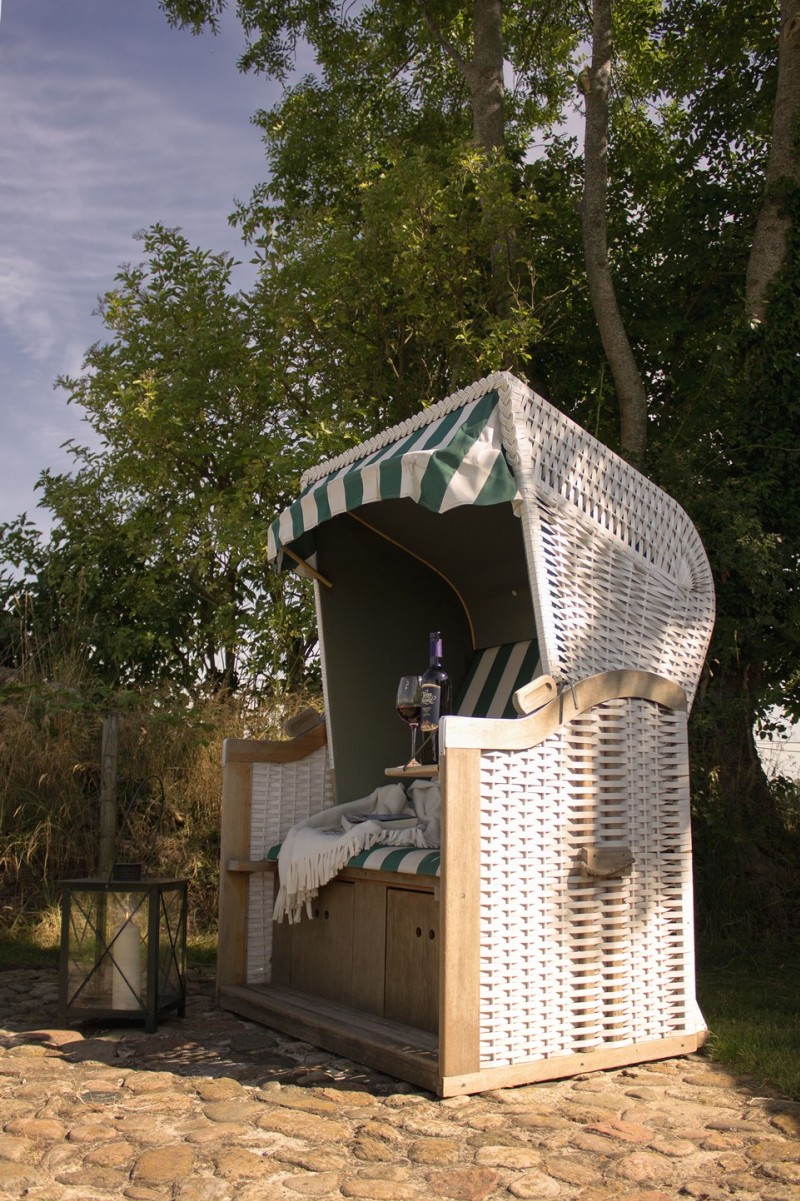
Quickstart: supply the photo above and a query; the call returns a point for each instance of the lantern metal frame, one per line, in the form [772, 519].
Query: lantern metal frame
[123, 950]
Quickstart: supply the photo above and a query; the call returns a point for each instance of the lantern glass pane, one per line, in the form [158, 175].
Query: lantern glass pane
[107, 949]
[171, 944]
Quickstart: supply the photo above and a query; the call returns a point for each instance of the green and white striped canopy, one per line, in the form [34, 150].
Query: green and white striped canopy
[448, 458]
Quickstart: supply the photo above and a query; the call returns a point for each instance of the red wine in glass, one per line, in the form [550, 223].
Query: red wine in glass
[408, 705]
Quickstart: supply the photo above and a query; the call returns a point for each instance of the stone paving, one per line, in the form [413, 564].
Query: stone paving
[212, 1108]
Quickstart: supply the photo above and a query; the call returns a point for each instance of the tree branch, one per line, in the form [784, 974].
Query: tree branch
[449, 48]
[624, 370]
[770, 239]
[483, 73]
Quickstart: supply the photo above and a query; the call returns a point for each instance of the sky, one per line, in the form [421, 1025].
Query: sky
[110, 121]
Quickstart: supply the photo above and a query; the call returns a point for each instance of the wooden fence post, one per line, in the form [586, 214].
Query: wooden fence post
[108, 795]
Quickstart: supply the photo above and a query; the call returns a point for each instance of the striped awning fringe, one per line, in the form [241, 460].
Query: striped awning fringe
[457, 459]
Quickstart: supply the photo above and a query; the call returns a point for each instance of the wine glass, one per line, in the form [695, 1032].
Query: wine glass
[409, 704]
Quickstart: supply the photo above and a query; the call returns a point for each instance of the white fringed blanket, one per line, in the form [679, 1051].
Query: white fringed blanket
[316, 849]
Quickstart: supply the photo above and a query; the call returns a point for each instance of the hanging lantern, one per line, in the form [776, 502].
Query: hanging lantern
[123, 950]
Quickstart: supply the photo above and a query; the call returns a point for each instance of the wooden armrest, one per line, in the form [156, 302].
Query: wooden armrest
[254, 750]
[251, 865]
[516, 734]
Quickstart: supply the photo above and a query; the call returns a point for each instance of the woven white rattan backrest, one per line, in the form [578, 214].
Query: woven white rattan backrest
[282, 794]
[619, 575]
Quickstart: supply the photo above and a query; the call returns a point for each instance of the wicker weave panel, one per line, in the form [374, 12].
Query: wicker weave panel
[569, 963]
[619, 575]
[282, 794]
[635, 612]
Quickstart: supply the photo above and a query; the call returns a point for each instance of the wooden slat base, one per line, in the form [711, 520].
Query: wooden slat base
[562, 1066]
[401, 1051]
[413, 1055]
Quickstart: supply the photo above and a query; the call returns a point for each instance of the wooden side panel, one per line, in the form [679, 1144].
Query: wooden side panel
[322, 946]
[233, 886]
[369, 946]
[459, 974]
[412, 959]
[281, 942]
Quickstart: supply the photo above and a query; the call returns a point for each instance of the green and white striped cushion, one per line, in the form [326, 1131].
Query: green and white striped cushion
[409, 860]
[494, 676]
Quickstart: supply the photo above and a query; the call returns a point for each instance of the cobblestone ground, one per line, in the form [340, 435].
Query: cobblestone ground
[212, 1108]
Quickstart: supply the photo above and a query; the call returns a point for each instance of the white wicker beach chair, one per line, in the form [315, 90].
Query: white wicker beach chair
[554, 932]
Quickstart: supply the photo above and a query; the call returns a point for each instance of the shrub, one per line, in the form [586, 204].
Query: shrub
[168, 744]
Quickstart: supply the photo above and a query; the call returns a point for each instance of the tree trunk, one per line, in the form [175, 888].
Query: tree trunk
[770, 240]
[485, 75]
[625, 372]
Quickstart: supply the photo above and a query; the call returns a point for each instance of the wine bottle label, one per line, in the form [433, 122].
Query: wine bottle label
[431, 701]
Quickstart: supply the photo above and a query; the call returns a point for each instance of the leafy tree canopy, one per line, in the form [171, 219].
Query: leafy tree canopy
[157, 548]
[399, 260]
[381, 216]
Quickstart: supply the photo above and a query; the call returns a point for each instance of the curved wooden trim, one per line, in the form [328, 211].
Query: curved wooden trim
[254, 750]
[516, 734]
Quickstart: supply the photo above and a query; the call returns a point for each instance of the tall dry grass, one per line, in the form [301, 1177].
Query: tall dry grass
[50, 753]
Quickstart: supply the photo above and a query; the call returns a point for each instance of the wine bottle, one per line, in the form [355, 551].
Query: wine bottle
[436, 694]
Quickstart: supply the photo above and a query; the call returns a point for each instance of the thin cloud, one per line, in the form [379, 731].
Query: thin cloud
[104, 132]
[83, 177]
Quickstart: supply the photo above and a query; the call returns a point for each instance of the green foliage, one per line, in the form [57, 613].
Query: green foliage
[396, 305]
[50, 751]
[750, 996]
[25, 949]
[398, 263]
[36, 945]
[386, 55]
[23, 559]
[156, 559]
[732, 459]
[739, 476]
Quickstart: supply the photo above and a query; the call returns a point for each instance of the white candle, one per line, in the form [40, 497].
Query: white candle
[126, 980]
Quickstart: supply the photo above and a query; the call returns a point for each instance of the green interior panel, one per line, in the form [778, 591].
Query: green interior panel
[375, 619]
